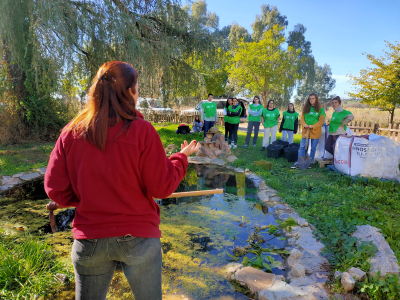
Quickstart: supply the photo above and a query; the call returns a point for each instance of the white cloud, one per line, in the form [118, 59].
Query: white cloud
[340, 78]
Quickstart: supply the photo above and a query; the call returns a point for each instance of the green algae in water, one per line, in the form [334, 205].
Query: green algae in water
[199, 232]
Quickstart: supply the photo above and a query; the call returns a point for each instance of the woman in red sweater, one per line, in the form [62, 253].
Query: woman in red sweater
[109, 163]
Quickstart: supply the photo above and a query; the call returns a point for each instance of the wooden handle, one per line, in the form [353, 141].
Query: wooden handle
[196, 193]
[53, 206]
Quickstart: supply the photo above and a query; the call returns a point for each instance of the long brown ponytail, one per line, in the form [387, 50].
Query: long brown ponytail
[108, 101]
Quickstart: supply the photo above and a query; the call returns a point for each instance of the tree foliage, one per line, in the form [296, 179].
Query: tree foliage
[320, 83]
[264, 67]
[270, 16]
[44, 42]
[380, 85]
[237, 33]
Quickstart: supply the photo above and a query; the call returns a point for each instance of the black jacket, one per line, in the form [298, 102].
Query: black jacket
[296, 125]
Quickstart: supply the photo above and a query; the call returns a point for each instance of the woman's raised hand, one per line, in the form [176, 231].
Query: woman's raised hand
[188, 149]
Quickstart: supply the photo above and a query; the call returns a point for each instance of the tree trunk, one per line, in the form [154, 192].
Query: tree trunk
[264, 98]
[391, 115]
[16, 76]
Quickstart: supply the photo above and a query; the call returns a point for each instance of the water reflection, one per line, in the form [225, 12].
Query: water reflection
[199, 233]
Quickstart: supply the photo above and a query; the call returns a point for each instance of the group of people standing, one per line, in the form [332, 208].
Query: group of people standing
[270, 117]
[312, 118]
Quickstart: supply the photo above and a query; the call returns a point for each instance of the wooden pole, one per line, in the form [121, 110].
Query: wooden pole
[53, 206]
[196, 193]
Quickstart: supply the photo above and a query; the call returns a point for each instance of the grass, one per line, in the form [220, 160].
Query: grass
[27, 268]
[24, 157]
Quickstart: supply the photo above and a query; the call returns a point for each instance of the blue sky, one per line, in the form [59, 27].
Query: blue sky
[339, 31]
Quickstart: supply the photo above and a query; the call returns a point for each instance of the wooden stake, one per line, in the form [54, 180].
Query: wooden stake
[196, 193]
[53, 206]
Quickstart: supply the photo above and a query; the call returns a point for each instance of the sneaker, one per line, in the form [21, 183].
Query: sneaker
[294, 166]
[230, 146]
[309, 167]
[246, 146]
[263, 148]
[234, 146]
[254, 145]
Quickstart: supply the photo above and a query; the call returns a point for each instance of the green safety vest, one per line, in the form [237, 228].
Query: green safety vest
[336, 120]
[270, 117]
[210, 109]
[257, 108]
[313, 117]
[290, 118]
[235, 119]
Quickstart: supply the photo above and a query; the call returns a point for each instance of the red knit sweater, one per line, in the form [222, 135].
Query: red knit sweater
[113, 190]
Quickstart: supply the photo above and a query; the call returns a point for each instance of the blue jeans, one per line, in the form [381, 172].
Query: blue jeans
[95, 261]
[314, 144]
[207, 126]
[250, 126]
[233, 129]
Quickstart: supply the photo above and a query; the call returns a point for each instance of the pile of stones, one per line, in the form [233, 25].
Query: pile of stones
[214, 145]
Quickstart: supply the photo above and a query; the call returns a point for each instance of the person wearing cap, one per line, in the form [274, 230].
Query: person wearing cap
[208, 113]
[338, 124]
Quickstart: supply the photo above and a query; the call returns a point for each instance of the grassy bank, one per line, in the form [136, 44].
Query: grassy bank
[23, 157]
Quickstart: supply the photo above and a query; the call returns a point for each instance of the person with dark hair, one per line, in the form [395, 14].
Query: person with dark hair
[109, 163]
[208, 113]
[338, 125]
[312, 119]
[227, 118]
[255, 111]
[289, 124]
[197, 124]
[234, 112]
[270, 118]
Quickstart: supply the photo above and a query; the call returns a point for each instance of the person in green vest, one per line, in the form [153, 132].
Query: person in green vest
[289, 124]
[226, 118]
[208, 113]
[312, 119]
[338, 124]
[270, 118]
[234, 112]
[255, 111]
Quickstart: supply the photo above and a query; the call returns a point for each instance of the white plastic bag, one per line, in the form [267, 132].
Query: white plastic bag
[382, 159]
[349, 132]
[350, 154]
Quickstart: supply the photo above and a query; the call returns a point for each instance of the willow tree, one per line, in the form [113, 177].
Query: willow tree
[380, 86]
[42, 41]
[264, 67]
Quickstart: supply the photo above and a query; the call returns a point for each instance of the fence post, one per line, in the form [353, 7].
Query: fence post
[375, 128]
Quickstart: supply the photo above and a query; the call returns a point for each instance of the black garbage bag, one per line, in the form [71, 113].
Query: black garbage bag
[274, 151]
[183, 130]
